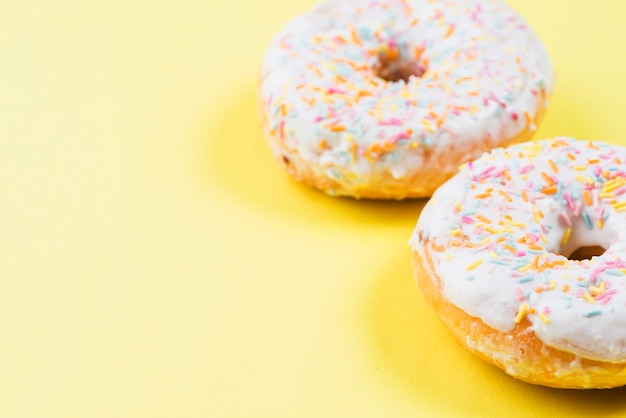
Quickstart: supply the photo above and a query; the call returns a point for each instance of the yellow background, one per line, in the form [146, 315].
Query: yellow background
[155, 262]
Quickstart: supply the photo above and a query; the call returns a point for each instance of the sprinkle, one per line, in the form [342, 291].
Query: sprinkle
[524, 195]
[456, 232]
[474, 264]
[587, 220]
[505, 195]
[593, 313]
[553, 166]
[547, 178]
[568, 232]
[587, 197]
[523, 311]
[589, 298]
[544, 318]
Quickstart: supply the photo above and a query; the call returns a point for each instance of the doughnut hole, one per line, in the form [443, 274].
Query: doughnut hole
[580, 242]
[586, 253]
[392, 66]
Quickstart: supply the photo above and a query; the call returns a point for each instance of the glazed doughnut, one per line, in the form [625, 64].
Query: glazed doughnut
[385, 98]
[523, 256]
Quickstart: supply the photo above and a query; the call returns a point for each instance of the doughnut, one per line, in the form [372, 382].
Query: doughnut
[522, 255]
[386, 98]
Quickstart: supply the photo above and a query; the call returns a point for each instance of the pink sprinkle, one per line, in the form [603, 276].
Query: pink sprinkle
[519, 294]
[546, 310]
[281, 129]
[606, 294]
[467, 220]
[333, 90]
[605, 300]
[570, 202]
[520, 254]
[620, 191]
[579, 206]
[565, 218]
[526, 168]
[597, 171]
[389, 122]
[401, 135]
[515, 116]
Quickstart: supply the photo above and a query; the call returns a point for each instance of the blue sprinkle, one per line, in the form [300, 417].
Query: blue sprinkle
[614, 272]
[365, 33]
[587, 220]
[526, 279]
[593, 313]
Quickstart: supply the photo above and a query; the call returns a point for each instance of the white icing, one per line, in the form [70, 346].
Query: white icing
[593, 326]
[487, 76]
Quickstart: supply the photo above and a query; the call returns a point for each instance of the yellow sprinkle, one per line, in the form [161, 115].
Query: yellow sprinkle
[619, 205]
[601, 223]
[544, 318]
[568, 233]
[609, 187]
[523, 310]
[595, 290]
[414, 145]
[448, 257]
[580, 167]
[552, 285]
[427, 126]
[524, 268]
[491, 230]
[589, 298]
[474, 264]
[493, 254]
[455, 232]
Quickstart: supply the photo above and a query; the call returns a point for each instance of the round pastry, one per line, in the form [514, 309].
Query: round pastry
[523, 256]
[385, 98]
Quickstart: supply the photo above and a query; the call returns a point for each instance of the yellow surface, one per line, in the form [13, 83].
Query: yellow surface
[154, 262]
